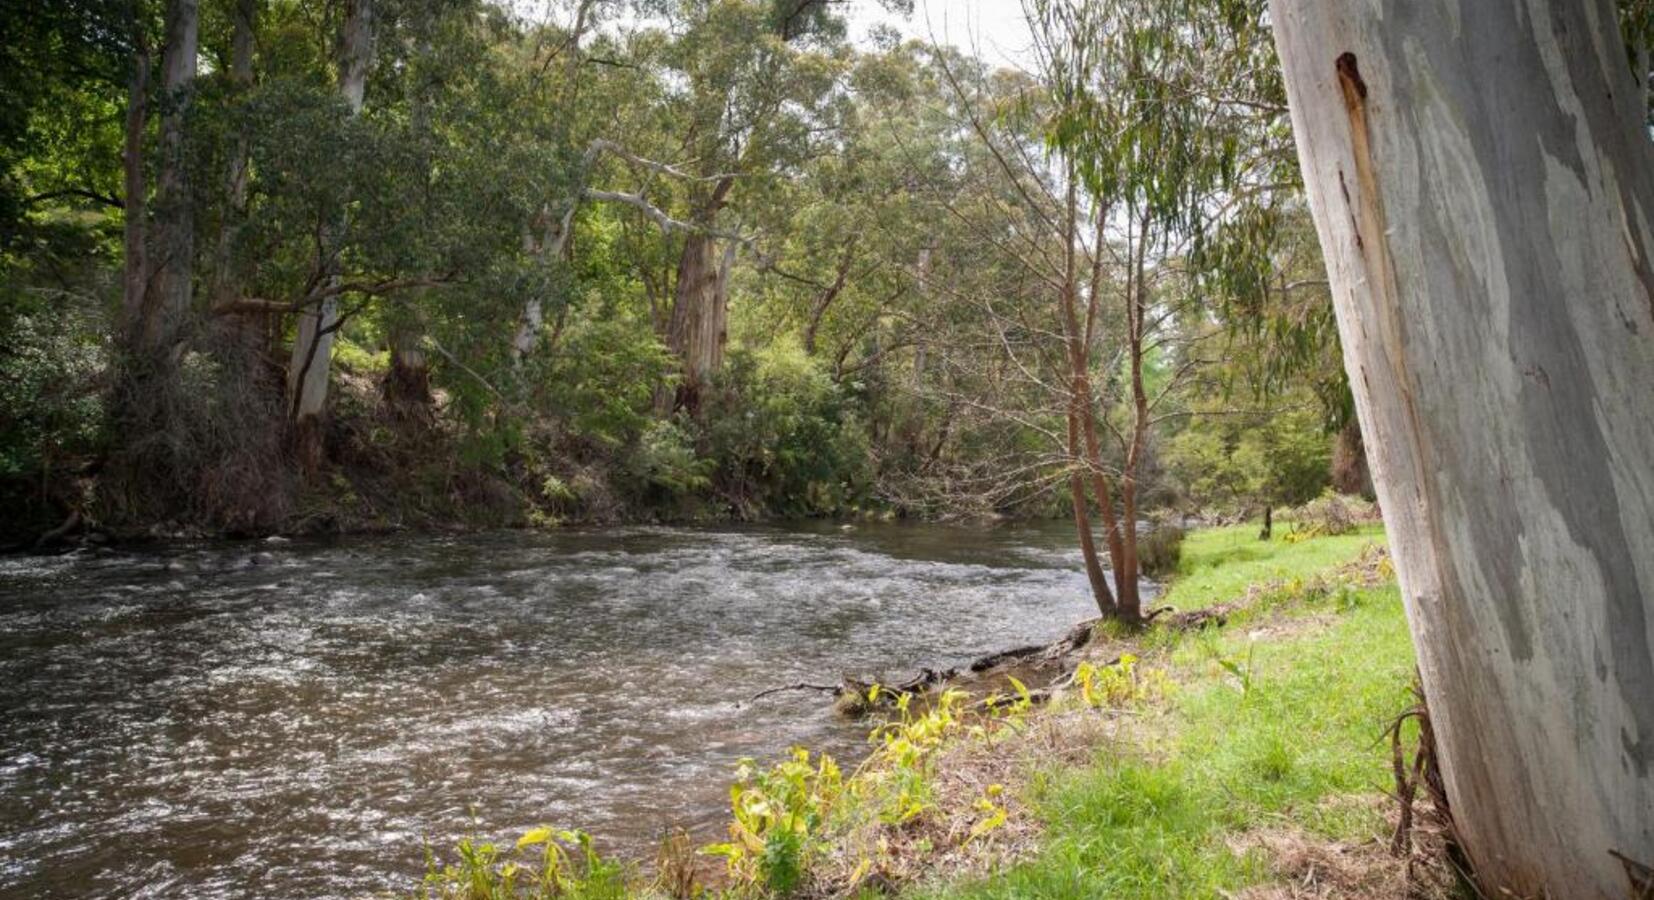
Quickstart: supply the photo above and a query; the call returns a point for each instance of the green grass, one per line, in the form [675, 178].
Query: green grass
[1257, 735]
[1220, 563]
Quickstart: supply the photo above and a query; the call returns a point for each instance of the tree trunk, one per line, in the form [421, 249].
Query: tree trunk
[308, 370]
[1485, 200]
[1100, 592]
[1082, 419]
[700, 305]
[1350, 474]
[135, 269]
[699, 312]
[550, 249]
[243, 334]
[407, 387]
[167, 301]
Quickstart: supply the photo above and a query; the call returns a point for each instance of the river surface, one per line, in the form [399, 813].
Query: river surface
[296, 720]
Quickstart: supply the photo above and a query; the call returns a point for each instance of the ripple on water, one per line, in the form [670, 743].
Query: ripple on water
[295, 719]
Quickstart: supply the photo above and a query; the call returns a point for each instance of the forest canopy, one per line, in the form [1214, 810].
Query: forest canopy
[277, 265]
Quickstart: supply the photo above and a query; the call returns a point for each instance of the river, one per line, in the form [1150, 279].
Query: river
[296, 720]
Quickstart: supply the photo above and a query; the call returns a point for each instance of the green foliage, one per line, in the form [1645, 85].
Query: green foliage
[1233, 462]
[506, 172]
[778, 812]
[665, 460]
[1160, 549]
[543, 865]
[1117, 684]
[602, 381]
[51, 411]
[784, 435]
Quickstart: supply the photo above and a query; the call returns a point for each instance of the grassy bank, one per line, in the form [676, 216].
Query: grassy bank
[1273, 735]
[1244, 760]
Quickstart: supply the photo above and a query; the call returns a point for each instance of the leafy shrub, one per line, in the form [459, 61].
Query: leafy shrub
[1225, 463]
[602, 379]
[776, 813]
[543, 865]
[50, 411]
[1330, 514]
[785, 436]
[664, 461]
[1160, 550]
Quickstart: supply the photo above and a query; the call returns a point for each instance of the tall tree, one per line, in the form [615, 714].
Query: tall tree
[167, 300]
[760, 78]
[1482, 180]
[225, 287]
[309, 369]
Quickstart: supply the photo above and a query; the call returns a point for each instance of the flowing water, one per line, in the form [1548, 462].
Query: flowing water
[296, 719]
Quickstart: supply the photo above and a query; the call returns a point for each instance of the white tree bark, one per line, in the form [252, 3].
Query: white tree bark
[135, 266]
[168, 299]
[1486, 206]
[307, 372]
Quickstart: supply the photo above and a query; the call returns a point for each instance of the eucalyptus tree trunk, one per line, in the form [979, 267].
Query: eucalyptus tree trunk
[166, 303]
[244, 333]
[135, 200]
[406, 389]
[550, 249]
[407, 385]
[308, 370]
[1484, 193]
[696, 333]
[700, 311]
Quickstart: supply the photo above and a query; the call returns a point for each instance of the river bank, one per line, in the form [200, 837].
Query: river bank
[1246, 759]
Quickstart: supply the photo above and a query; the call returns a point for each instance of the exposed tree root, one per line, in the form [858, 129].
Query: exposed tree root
[1424, 772]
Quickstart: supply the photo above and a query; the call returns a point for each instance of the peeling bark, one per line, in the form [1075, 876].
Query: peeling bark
[1485, 199]
[700, 302]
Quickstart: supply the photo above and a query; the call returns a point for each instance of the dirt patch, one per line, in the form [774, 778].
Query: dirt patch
[1313, 867]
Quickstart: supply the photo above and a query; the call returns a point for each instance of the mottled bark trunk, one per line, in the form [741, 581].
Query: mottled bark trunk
[243, 334]
[308, 370]
[548, 249]
[1485, 200]
[167, 301]
[700, 304]
[696, 333]
[135, 269]
[1094, 576]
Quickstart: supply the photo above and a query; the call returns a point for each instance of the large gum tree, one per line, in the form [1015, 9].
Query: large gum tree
[1482, 179]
